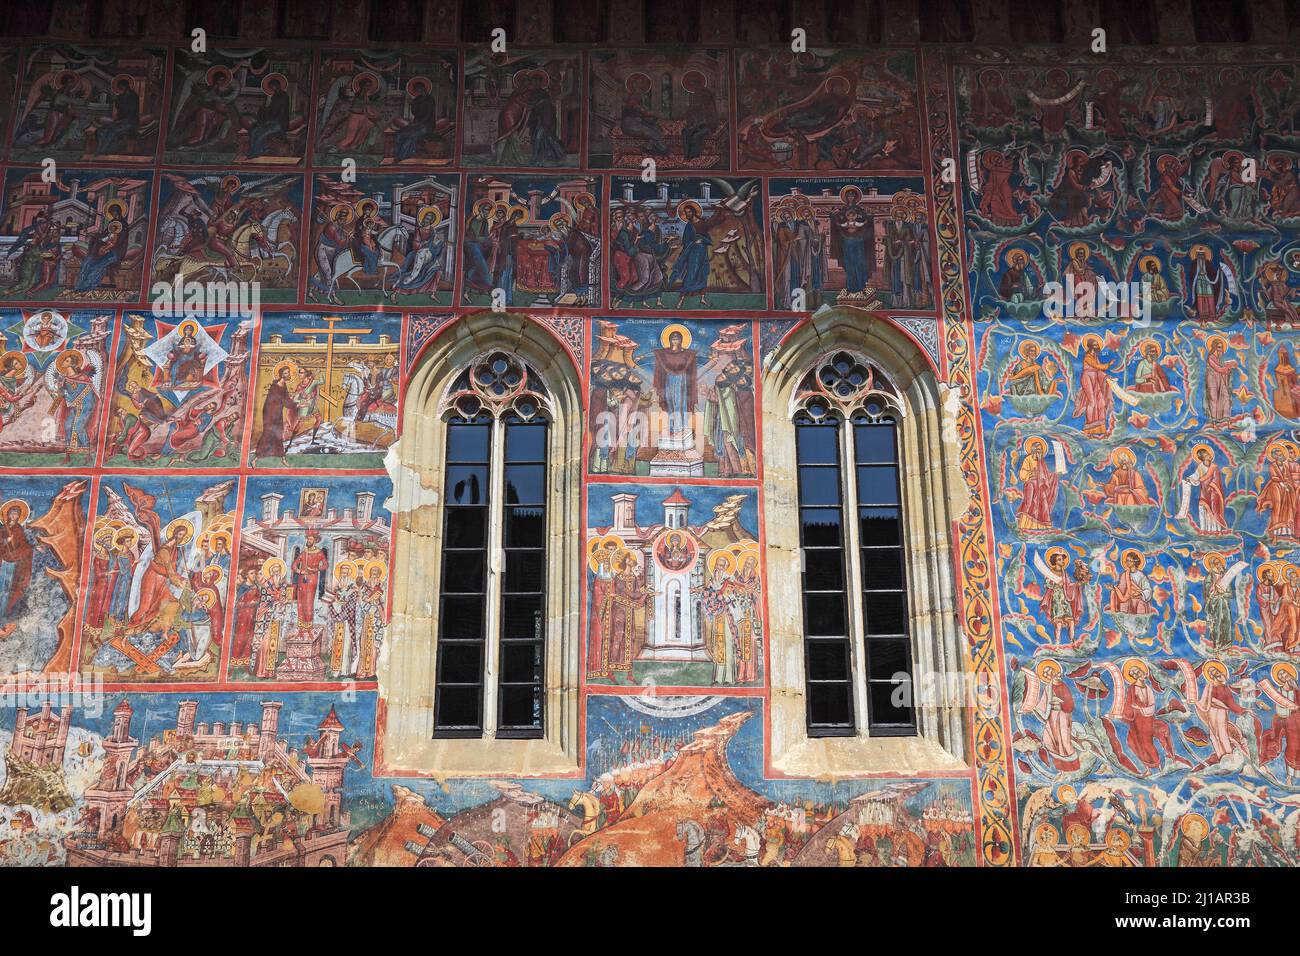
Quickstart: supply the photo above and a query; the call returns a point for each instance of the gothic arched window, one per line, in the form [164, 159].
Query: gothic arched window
[851, 533]
[868, 664]
[482, 669]
[493, 594]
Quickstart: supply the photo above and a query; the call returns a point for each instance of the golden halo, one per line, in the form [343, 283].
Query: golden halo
[1134, 669]
[230, 183]
[1036, 443]
[1046, 833]
[848, 191]
[349, 566]
[426, 210]
[1145, 260]
[484, 206]
[560, 217]
[127, 535]
[1123, 454]
[1123, 558]
[216, 71]
[1291, 447]
[1266, 566]
[720, 563]
[1010, 253]
[1215, 559]
[191, 327]
[1216, 340]
[1077, 833]
[183, 523]
[10, 356]
[1066, 794]
[683, 206]
[1090, 340]
[1197, 449]
[514, 213]
[597, 547]
[115, 205]
[284, 82]
[1026, 346]
[1194, 826]
[1079, 246]
[1280, 669]
[365, 75]
[1053, 552]
[290, 364]
[272, 564]
[418, 81]
[222, 536]
[130, 81]
[346, 207]
[666, 334]
[1047, 665]
[583, 200]
[376, 565]
[67, 358]
[365, 206]
[1215, 666]
[221, 574]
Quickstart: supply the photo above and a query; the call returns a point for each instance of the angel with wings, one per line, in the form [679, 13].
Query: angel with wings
[1212, 287]
[76, 380]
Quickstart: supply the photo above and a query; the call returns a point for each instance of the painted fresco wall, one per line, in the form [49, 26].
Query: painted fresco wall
[197, 519]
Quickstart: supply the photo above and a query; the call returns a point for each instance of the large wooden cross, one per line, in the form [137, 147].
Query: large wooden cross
[329, 350]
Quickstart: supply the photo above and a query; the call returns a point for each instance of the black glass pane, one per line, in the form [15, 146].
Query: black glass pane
[817, 444]
[467, 484]
[882, 568]
[521, 615]
[877, 485]
[460, 663]
[524, 571]
[889, 703]
[457, 707]
[520, 663]
[886, 658]
[520, 707]
[526, 442]
[468, 443]
[823, 615]
[830, 705]
[828, 660]
[880, 526]
[461, 618]
[821, 527]
[819, 486]
[874, 444]
[525, 484]
[466, 527]
[463, 571]
[823, 571]
[886, 612]
[525, 527]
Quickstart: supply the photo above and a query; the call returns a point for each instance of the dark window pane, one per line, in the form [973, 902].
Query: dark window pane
[882, 569]
[520, 707]
[819, 486]
[460, 663]
[526, 442]
[525, 527]
[462, 572]
[886, 612]
[468, 442]
[521, 617]
[461, 618]
[874, 444]
[520, 663]
[828, 660]
[466, 528]
[880, 526]
[467, 484]
[457, 707]
[877, 485]
[824, 615]
[817, 444]
[889, 703]
[886, 658]
[823, 571]
[525, 484]
[830, 705]
[821, 527]
[523, 571]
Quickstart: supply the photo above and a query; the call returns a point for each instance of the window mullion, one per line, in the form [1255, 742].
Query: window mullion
[853, 576]
[495, 575]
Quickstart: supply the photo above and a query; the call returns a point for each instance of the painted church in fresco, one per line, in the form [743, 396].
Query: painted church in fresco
[210, 524]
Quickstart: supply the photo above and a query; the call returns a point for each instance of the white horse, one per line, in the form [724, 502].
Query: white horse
[345, 264]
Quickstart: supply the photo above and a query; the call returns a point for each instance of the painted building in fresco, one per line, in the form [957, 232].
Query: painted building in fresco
[200, 515]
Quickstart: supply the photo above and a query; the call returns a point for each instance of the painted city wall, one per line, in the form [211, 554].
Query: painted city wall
[196, 517]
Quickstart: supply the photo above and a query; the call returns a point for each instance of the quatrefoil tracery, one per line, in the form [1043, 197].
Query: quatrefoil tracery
[845, 384]
[497, 383]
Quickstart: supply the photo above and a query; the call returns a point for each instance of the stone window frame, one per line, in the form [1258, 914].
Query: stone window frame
[934, 494]
[408, 666]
